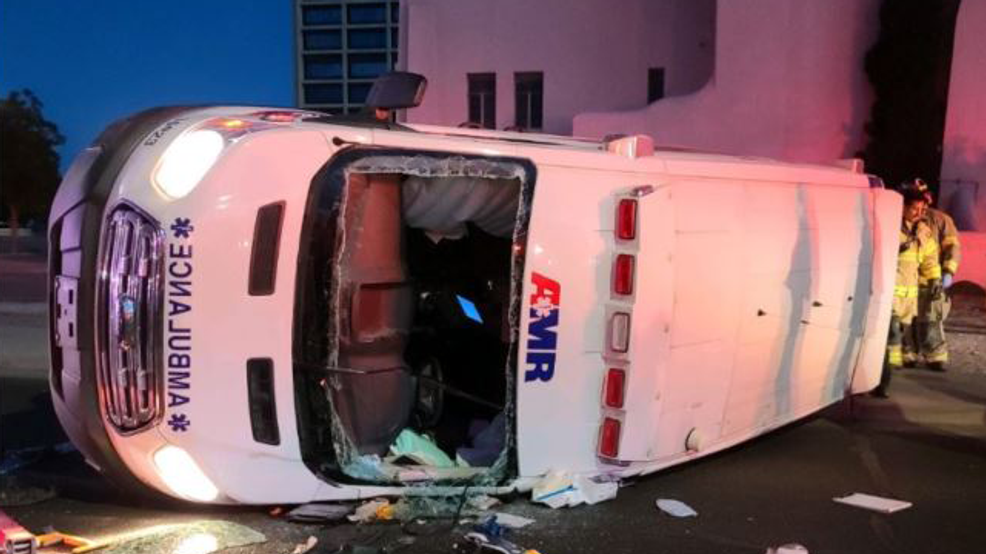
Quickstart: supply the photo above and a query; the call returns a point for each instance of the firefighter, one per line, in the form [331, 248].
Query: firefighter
[927, 342]
[917, 259]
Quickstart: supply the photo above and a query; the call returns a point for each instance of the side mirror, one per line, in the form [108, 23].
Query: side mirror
[396, 90]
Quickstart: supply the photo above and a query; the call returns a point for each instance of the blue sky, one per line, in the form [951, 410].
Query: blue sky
[91, 62]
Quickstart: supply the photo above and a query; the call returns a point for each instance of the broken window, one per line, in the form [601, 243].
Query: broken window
[408, 301]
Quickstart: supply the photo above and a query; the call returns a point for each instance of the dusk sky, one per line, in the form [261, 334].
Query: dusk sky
[93, 62]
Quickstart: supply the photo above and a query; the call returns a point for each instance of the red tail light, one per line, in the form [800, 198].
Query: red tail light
[626, 219]
[609, 438]
[623, 279]
[615, 385]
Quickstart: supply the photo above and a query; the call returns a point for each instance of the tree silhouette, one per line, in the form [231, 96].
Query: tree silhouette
[909, 68]
[28, 161]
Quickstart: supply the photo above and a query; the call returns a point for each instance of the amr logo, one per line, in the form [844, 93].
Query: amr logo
[542, 335]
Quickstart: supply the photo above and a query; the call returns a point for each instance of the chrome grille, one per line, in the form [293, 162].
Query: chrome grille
[128, 319]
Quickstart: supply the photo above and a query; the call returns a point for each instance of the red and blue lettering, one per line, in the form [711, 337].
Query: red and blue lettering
[542, 341]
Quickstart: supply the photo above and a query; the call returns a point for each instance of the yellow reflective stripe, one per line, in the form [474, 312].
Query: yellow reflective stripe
[933, 273]
[906, 291]
[951, 266]
[949, 241]
[937, 357]
[907, 256]
[895, 356]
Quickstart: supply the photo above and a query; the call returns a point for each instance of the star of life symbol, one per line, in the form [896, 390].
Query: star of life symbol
[179, 422]
[543, 306]
[182, 227]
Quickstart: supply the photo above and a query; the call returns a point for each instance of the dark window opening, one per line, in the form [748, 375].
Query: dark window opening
[367, 66]
[321, 15]
[367, 13]
[655, 84]
[529, 100]
[323, 66]
[323, 94]
[322, 40]
[361, 39]
[358, 92]
[482, 99]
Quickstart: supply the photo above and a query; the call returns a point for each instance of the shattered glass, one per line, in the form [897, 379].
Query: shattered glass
[432, 166]
[200, 537]
[371, 467]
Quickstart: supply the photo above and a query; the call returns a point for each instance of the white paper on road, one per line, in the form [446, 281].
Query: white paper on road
[875, 503]
[558, 489]
[675, 508]
[511, 521]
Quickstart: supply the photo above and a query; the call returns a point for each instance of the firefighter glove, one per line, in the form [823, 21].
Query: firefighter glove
[946, 280]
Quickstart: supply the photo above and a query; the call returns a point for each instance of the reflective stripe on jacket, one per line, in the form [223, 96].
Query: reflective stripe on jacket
[917, 262]
[947, 237]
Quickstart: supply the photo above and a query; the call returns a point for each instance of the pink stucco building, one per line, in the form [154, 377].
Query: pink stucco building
[590, 55]
[963, 171]
[778, 78]
[788, 84]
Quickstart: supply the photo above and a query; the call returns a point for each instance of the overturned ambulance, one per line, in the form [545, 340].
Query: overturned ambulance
[254, 306]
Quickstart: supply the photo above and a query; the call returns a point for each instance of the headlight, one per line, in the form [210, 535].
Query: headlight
[186, 161]
[182, 475]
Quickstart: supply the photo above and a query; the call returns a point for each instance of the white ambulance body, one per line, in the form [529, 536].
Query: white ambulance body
[240, 302]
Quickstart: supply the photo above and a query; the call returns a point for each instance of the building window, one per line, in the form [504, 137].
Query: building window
[367, 66]
[655, 84]
[482, 99]
[529, 99]
[323, 94]
[323, 66]
[321, 15]
[341, 46]
[358, 92]
[367, 13]
[362, 39]
[322, 40]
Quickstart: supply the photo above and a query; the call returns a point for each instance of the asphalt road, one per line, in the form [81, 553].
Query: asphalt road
[926, 445]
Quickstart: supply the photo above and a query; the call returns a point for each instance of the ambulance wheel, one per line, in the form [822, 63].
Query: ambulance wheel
[430, 398]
